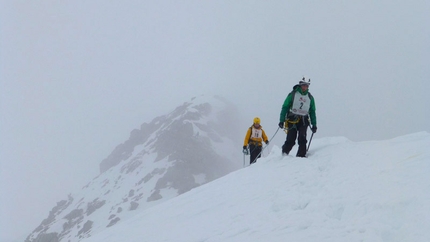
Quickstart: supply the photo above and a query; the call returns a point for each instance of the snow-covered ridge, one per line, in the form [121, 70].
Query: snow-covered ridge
[344, 191]
[169, 156]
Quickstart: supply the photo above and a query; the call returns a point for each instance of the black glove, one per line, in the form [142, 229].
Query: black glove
[245, 150]
[314, 129]
[267, 142]
[281, 125]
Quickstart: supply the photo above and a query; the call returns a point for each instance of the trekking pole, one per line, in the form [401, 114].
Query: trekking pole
[266, 145]
[310, 142]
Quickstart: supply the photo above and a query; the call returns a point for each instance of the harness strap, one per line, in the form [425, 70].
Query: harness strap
[253, 142]
[293, 122]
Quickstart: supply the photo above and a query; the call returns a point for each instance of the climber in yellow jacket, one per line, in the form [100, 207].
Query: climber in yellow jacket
[254, 139]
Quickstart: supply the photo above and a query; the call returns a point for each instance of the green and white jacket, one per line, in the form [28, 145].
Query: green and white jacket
[299, 103]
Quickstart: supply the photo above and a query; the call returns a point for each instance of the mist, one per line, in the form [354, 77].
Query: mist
[77, 77]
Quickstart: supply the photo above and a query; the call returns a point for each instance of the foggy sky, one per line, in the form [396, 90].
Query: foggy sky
[76, 77]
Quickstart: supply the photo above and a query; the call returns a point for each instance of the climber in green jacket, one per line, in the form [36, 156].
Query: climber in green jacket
[298, 107]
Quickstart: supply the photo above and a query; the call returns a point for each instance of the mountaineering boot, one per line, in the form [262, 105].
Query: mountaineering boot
[286, 149]
[301, 152]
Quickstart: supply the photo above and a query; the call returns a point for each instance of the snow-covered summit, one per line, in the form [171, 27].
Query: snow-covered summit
[345, 191]
[169, 156]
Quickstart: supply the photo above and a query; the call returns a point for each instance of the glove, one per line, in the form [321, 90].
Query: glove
[245, 150]
[281, 125]
[314, 129]
[267, 142]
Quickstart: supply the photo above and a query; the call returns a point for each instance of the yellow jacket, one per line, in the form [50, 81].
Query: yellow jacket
[255, 136]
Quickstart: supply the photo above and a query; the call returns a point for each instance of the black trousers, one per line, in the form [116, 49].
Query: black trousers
[255, 153]
[299, 129]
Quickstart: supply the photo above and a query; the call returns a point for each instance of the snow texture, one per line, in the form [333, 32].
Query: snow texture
[374, 191]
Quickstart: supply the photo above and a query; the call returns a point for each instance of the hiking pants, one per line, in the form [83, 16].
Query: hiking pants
[299, 128]
[255, 153]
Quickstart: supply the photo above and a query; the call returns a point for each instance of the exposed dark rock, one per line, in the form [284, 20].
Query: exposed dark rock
[61, 205]
[138, 197]
[51, 237]
[74, 217]
[113, 222]
[133, 205]
[124, 150]
[131, 166]
[154, 196]
[86, 228]
[150, 175]
[94, 205]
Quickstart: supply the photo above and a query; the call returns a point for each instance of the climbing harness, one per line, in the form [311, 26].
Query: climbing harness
[293, 122]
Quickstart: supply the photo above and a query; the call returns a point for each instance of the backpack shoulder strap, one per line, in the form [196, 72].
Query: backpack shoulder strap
[293, 94]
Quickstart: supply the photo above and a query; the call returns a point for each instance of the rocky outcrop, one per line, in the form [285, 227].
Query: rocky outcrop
[169, 156]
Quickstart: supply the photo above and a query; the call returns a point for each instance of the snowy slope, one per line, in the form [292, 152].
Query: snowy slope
[164, 158]
[345, 191]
